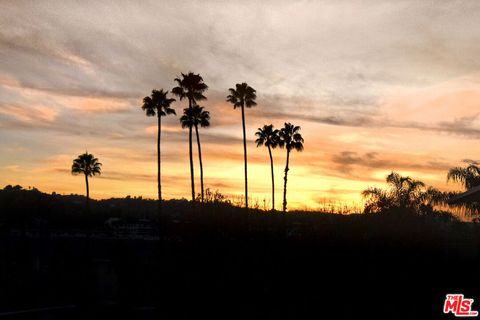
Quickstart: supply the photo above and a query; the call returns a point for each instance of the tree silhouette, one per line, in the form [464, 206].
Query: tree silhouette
[158, 104]
[291, 139]
[194, 117]
[243, 96]
[268, 137]
[469, 176]
[404, 194]
[190, 86]
[88, 165]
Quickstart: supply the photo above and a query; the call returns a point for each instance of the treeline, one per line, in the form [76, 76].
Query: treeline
[31, 208]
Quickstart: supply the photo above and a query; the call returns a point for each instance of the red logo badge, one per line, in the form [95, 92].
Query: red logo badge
[459, 306]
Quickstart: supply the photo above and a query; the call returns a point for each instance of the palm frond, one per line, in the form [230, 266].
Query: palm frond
[158, 103]
[290, 138]
[190, 86]
[242, 95]
[87, 164]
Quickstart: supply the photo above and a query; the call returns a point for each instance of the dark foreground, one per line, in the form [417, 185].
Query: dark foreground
[122, 260]
[264, 266]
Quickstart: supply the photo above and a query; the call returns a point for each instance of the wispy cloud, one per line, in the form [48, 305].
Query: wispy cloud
[346, 161]
[22, 114]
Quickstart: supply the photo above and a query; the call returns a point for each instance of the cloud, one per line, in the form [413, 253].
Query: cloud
[470, 161]
[465, 126]
[347, 162]
[101, 49]
[127, 176]
[23, 114]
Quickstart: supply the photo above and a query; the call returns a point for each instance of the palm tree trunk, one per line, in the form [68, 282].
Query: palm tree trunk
[200, 160]
[192, 181]
[158, 163]
[88, 192]
[285, 183]
[245, 156]
[273, 179]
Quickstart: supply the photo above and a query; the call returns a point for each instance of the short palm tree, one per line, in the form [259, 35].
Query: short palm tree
[469, 176]
[191, 87]
[88, 165]
[194, 117]
[158, 104]
[403, 194]
[243, 96]
[268, 137]
[290, 139]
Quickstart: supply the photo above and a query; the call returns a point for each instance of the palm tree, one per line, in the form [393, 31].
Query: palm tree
[291, 139]
[469, 176]
[268, 137]
[403, 195]
[194, 117]
[405, 190]
[191, 87]
[88, 165]
[241, 97]
[158, 104]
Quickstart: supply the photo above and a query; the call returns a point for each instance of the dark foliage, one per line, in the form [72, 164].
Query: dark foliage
[223, 262]
[404, 195]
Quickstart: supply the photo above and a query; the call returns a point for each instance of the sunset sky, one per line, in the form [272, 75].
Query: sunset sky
[375, 85]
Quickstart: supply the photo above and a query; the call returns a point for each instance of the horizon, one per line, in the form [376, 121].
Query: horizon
[376, 87]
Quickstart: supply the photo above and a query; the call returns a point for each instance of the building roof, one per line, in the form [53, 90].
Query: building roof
[472, 195]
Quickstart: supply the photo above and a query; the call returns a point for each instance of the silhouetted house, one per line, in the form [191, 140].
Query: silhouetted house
[469, 196]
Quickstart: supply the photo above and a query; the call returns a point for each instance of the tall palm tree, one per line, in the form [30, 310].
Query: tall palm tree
[194, 117]
[158, 104]
[268, 137]
[290, 139]
[243, 96]
[88, 165]
[469, 176]
[191, 87]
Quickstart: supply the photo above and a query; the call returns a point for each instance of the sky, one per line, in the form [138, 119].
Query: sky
[376, 86]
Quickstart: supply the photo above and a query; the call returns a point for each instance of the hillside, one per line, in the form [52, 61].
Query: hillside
[219, 261]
